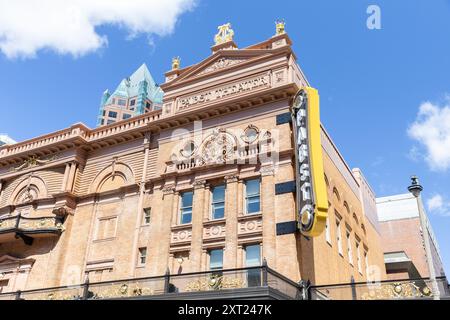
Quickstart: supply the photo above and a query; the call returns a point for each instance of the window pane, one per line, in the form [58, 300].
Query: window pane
[253, 204]
[219, 193]
[186, 199]
[112, 114]
[253, 256]
[218, 210]
[121, 102]
[186, 216]
[252, 187]
[216, 259]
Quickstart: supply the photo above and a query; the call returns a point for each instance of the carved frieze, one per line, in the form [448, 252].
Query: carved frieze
[179, 236]
[250, 226]
[215, 231]
[34, 161]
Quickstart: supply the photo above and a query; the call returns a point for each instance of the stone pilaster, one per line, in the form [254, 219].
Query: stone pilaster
[231, 215]
[163, 232]
[66, 177]
[198, 209]
[268, 215]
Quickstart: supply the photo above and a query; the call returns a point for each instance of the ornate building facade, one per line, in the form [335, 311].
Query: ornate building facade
[205, 183]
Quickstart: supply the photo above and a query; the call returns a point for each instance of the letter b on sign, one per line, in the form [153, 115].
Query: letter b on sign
[374, 19]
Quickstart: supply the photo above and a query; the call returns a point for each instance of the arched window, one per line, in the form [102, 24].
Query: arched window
[336, 194]
[355, 217]
[326, 181]
[346, 206]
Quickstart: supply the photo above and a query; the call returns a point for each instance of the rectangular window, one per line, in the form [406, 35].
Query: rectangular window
[349, 248]
[327, 231]
[112, 114]
[252, 196]
[218, 202]
[253, 259]
[110, 121]
[126, 116]
[121, 102]
[338, 237]
[147, 213]
[216, 259]
[132, 102]
[186, 207]
[142, 256]
[358, 257]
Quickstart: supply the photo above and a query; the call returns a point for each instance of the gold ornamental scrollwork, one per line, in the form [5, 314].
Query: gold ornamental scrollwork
[215, 282]
[397, 290]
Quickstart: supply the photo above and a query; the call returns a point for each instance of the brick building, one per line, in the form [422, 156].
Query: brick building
[146, 196]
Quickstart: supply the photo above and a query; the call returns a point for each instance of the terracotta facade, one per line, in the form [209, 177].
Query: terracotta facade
[116, 190]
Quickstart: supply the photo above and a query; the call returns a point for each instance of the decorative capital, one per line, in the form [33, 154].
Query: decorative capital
[168, 190]
[267, 171]
[176, 63]
[231, 178]
[280, 27]
[199, 184]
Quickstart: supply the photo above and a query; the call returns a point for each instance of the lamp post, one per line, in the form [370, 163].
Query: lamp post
[415, 188]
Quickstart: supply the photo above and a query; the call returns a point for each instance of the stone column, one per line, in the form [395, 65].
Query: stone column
[204, 266]
[198, 208]
[231, 229]
[268, 215]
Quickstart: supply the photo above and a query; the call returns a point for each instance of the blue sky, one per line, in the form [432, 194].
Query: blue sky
[373, 83]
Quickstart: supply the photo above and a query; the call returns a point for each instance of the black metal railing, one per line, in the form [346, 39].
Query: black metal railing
[168, 284]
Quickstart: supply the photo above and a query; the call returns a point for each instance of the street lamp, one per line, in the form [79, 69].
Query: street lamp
[415, 188]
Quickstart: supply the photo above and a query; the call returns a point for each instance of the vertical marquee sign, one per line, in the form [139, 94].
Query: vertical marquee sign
[312, 201]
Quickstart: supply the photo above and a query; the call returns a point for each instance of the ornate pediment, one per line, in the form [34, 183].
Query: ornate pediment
[221, 63]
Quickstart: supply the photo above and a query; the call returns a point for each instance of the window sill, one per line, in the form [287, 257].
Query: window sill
[104, 240]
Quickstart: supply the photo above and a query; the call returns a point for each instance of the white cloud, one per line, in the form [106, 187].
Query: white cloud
[69, 26]
[432, 130]
[438, 205]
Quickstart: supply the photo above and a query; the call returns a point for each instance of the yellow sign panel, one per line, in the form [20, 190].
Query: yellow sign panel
[312, 201]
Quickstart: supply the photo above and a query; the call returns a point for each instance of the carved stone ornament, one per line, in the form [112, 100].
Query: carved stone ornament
[218, 148]
[231, 178]
[168, 190]
[267, 171]
[34, 161]
[221, 64]
[198, 184]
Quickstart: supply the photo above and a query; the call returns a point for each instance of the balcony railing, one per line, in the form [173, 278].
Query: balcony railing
[25, 227]
[235, 282]
[408, 289]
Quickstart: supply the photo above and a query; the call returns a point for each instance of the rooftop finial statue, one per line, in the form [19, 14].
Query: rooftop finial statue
[225, 34]
[280, 26]
[176, 63]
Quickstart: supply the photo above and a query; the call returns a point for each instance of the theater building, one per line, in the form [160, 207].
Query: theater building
[201, 189]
